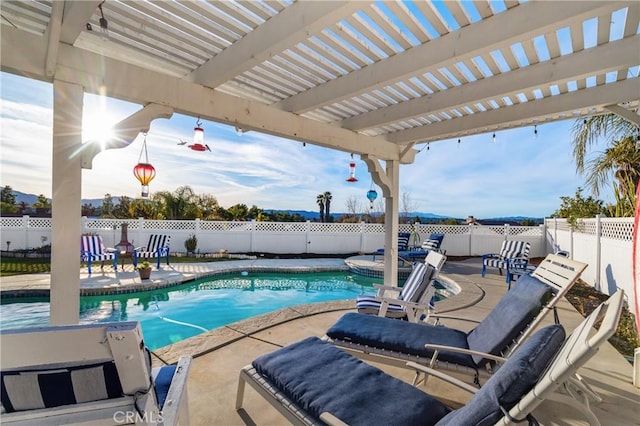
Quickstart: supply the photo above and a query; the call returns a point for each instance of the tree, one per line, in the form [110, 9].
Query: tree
[327, 206]
[619, 160]
[320, 201]
[7, 195]
[121, 211]
[577, 207]
[143, 208]
[408, 205]
[107, 206]
[181, 204]
[587, 132]
[87, 210]
[42, 202]
[8, 201]
[238, 212]
[208, 205]
[354, 207]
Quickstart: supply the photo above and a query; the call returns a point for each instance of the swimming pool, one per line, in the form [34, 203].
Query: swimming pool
[176, 313]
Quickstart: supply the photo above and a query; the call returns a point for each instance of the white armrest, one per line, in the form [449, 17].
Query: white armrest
[442, 376]
[464, 351]
[176, 405]
[331, 420]
[439, 317]
[383, 288]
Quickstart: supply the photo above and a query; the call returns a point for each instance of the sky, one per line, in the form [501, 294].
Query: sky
[520, 174]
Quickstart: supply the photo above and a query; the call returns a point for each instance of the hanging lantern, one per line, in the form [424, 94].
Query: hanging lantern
[371, 195]
[198, 133]
[143, 171]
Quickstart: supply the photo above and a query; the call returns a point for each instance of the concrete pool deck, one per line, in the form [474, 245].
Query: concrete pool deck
[219, 354]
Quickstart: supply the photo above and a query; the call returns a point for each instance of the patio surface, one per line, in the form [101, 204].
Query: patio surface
[219, 354]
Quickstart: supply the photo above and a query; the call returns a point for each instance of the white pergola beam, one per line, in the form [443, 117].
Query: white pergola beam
[633, 117]
[293, 25]
[500, 31]
[618, 54]
[54, 29]
[565, 104]
[76, 16]
[143, 86]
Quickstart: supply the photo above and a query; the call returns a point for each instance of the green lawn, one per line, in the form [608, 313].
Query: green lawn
[17, 266]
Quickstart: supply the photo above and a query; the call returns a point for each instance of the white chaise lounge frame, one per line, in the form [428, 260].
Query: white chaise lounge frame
[577, 349]
[558, 272]
[66, 346]
[422, 309]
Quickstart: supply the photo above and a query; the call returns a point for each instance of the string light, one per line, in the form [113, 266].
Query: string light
[458, 142]
[535, 131]
[494, 137]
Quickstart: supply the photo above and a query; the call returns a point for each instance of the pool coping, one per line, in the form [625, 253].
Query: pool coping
[127, 281]
[204, 343]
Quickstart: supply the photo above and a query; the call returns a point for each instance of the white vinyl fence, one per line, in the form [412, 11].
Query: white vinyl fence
[274, 237]
[605, 244]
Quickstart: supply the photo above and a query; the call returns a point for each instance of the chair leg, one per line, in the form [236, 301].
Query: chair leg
[89, 264]
[484, 270]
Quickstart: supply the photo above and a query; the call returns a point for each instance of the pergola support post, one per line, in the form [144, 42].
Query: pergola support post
[65, 203]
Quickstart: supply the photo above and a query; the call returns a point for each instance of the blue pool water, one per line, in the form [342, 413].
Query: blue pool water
[177, 313]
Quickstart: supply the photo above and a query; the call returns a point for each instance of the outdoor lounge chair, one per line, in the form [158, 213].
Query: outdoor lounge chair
[433, 243]
[88, 374]
[511, 253]
[508, 324]
[92, 249]
[403, 244]
[312, 382]
[413, 300]
[158, 247]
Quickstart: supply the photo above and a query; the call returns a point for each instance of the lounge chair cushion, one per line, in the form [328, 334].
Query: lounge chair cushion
[509, 317]
[400, 336]
[319, 377]
[46, 388]
[507, 386]
[162, 378]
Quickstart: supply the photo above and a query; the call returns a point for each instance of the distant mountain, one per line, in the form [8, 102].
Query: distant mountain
[313, 215]
[30, 199]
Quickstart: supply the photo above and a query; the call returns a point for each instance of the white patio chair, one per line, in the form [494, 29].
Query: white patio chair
[97, 373]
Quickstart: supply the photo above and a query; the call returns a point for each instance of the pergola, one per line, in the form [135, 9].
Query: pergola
[364, 77]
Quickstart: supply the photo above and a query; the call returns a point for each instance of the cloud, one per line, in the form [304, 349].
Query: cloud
[519, 174]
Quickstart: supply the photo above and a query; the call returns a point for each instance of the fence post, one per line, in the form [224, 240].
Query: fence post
[140, 228]
[598, 252]
[252, 236]
[25, 227]
[362, 236]
[506, 231]
[307, 236]
[196, 230]
[470, 227]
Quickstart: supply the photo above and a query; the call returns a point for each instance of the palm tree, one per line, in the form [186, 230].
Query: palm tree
[587, 132]
[320, 201]
[327, 206]
[622, 159]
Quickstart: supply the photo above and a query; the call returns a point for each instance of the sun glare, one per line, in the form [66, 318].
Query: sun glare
[97, 125]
